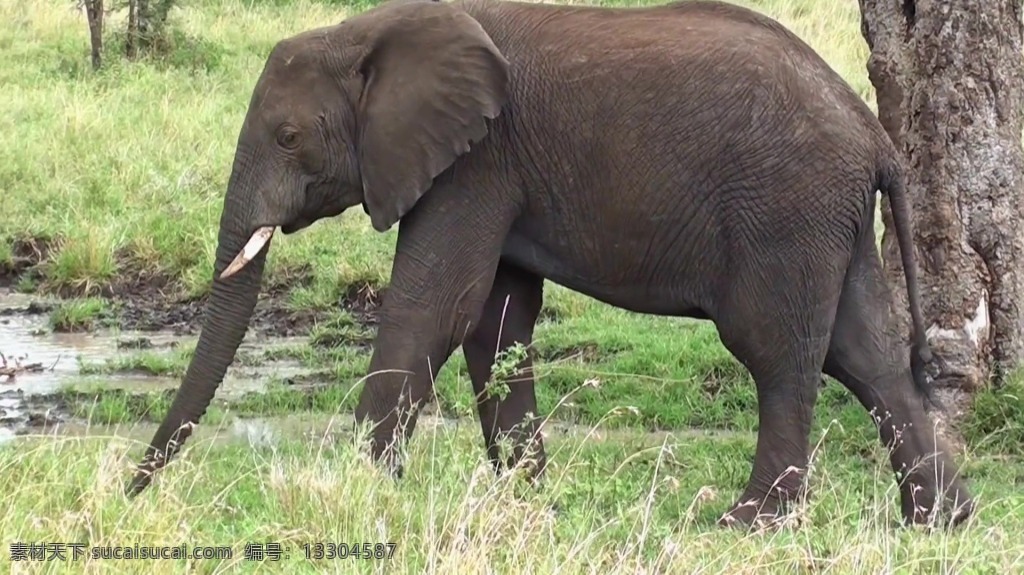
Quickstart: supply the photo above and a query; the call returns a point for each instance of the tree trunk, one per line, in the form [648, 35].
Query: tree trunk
[131, 39]
[94, 15]
[949, 80]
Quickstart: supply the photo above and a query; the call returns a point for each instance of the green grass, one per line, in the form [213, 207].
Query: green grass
[996, 419]
[143, 363]
[627, 504]
[124, 171]
[129, 165]
[6, 255]
[689, 381]
[97, 404]
[682, 377]
[80, 314]
[340, 330]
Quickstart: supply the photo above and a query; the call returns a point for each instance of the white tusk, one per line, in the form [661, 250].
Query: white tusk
[259, 239]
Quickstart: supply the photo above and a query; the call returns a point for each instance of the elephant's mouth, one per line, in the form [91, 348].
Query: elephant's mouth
[292, 227]
[257, 241]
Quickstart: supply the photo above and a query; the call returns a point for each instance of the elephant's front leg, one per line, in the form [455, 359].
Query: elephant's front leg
[445, 261]
[508, 409]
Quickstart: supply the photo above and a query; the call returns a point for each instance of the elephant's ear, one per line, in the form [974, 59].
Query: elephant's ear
[431, 77]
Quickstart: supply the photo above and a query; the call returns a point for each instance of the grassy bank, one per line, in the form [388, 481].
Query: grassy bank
[114, 182]
[612, 504]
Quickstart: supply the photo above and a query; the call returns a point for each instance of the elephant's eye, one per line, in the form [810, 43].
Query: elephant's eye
[288, 139]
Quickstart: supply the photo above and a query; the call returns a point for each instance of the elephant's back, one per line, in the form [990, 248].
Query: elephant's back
[696, 99]
[686, 28]
[695, 49]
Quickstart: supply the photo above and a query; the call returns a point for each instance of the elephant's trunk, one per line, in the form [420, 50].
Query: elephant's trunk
[228, 311]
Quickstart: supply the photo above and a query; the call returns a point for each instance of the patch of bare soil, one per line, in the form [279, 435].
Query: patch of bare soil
[33, 308]
[309, 381]
[584, 352]
[147, 309]
[149, 300]
[26, 254]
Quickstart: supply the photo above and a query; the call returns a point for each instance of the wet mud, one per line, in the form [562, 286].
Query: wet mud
[151, 301]
[43, 372]
[256, 431]
[147, 313]
[147, 309]
[43, 367]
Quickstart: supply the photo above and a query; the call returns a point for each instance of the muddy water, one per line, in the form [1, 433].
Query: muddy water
[256, 431]
[27, 405]
[25, 339]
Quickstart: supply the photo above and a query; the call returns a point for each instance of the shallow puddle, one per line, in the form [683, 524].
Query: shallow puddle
[54, 361]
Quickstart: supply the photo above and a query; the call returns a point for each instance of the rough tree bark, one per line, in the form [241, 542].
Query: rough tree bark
[94, 15]
[949, 80]
[131, 39]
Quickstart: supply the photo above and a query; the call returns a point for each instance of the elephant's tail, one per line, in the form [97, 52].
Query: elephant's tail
[891, 183]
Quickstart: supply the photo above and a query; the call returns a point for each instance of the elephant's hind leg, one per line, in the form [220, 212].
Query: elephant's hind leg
[508, 318]
[779, 329]
[867, 355]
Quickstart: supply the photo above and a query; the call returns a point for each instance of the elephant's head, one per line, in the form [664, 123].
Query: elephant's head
[368, 111]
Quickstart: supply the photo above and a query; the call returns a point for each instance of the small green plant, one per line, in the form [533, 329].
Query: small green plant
[99, 405]
[82, 314]
[146, 363]
[6, 255]
[505, 366]
[26, 284]
[340, 330]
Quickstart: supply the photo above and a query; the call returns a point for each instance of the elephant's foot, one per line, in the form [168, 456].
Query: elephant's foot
[921, 503]
[526, 469]
[384, 453]
[771, 507]
[527, 458]
[759, 513]
[529, 462]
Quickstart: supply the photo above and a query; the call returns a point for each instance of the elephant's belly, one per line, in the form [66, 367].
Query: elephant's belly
[538, 259]
[637, 294]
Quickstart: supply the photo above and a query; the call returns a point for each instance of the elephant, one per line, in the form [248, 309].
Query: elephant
[693, 159]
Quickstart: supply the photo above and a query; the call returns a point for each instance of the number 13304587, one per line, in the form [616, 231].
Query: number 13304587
[349, 550]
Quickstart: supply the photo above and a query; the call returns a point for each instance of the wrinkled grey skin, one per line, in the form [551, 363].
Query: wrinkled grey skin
[694, 159]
